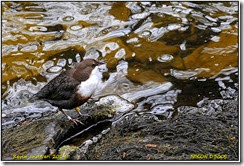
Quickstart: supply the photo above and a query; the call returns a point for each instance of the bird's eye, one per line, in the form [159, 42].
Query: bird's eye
[93, 64]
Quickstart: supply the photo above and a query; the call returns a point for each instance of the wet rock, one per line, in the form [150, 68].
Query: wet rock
[81, 151]
[121, 104]
[193, 131]
[209, 128]
[16, 116]
[37, 140]
[66, 151]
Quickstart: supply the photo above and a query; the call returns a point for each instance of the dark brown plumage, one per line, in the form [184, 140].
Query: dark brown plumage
[62, 91]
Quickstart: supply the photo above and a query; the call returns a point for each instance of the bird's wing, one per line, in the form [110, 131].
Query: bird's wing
[65, 90]
[59, 88]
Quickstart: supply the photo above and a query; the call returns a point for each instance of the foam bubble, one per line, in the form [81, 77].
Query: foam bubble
[165, 58]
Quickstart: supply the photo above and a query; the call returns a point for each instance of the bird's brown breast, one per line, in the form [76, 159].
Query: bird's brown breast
[81, 99]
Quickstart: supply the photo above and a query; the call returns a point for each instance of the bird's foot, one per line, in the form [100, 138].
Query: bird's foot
[76, 121]
[82, 115]
[86, 115]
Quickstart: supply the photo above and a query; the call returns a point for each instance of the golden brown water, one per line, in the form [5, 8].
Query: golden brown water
[192, 45]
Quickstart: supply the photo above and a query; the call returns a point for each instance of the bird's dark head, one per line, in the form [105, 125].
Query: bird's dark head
[86, 67]
[92, 62]
[88, 64]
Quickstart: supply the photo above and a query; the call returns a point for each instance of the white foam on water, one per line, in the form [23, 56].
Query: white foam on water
[165, 58]
[188, 74]
[161, 88]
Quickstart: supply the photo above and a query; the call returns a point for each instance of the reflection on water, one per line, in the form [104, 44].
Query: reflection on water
[144, 44]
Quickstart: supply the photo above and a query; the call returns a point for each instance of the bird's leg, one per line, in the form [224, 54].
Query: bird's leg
[76, 121]
[82, 115]
[78, 110]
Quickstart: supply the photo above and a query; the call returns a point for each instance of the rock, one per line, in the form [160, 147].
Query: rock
[40, 139]
[111, 133]
[66, 151]
[179, 138]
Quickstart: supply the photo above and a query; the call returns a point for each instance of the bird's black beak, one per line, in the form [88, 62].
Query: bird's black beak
[102, 66]
[101, 62]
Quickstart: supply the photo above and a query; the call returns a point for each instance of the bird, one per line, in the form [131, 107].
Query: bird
[73, 87]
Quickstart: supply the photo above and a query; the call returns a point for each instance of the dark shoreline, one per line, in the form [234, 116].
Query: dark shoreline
[208, 132]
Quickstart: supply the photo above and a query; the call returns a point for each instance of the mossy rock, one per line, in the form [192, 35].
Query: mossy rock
[141, 137]
[33, 140]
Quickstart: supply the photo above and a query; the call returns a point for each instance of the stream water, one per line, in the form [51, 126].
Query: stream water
[159, 55]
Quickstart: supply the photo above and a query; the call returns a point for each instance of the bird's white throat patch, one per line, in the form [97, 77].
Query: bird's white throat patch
[88, 87]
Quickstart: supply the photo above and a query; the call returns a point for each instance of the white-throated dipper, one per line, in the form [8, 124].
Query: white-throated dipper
[73, 87]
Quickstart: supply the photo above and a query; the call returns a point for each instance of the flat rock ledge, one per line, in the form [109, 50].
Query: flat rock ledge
[39, 139]
[207, 132]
